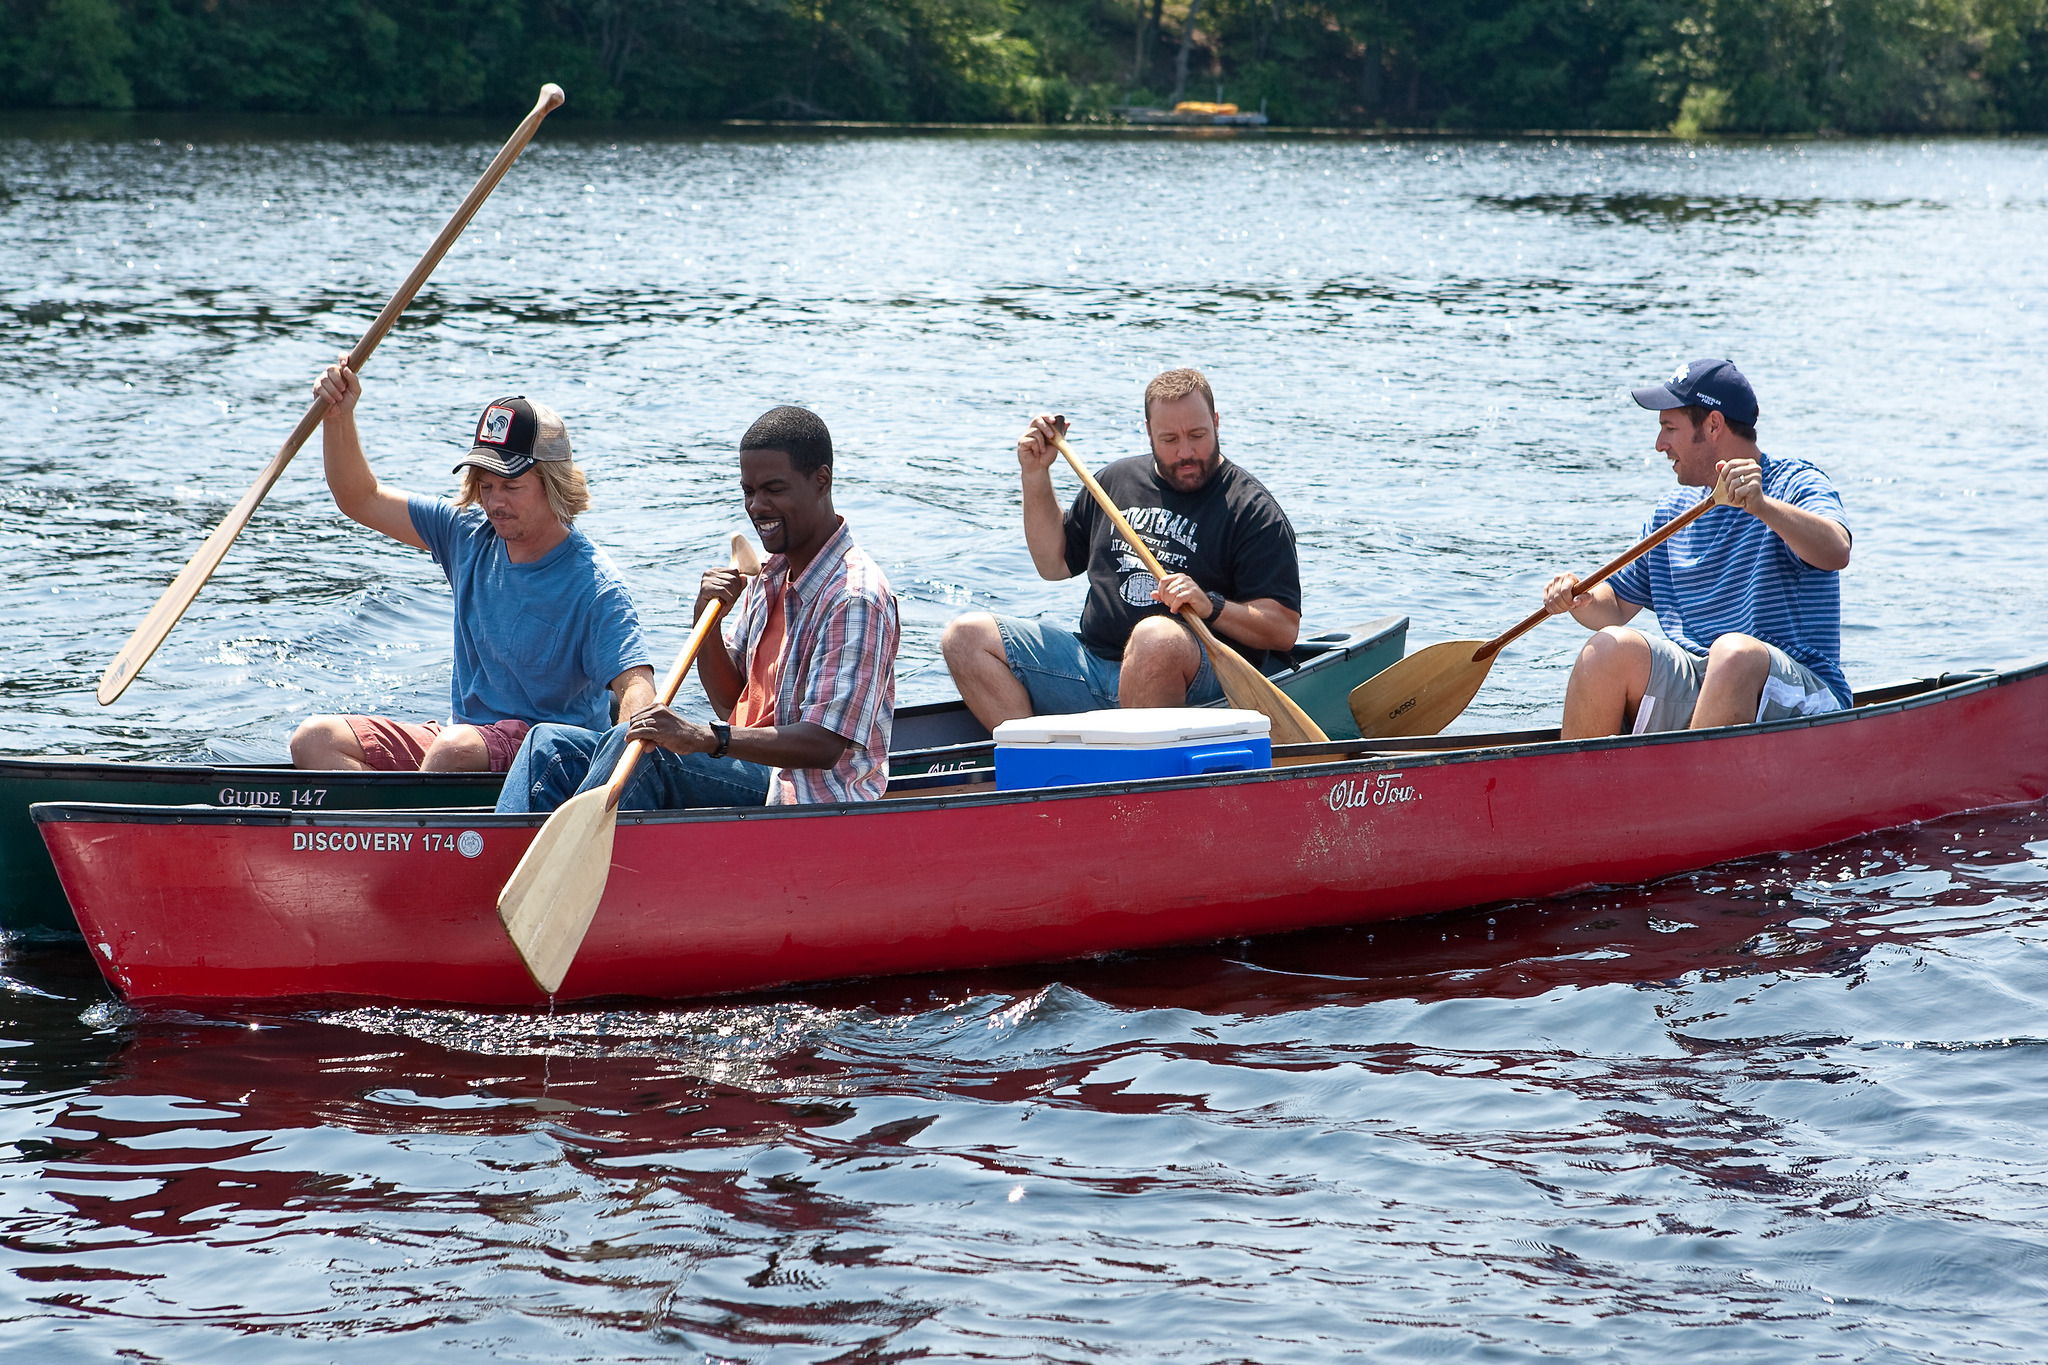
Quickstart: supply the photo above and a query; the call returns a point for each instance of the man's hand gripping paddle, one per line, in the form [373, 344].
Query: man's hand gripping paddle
[548, 904]
[1246, 687]
[1430, 688]
[185, 587]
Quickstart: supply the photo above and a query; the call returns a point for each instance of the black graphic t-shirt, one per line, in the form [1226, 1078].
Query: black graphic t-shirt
[1230, 537]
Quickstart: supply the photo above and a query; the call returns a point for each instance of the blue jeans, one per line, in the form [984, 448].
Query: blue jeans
[1062, 676]
[556, 762]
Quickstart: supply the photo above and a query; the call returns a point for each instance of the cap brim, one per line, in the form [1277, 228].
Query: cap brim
[1658, 398]
[502, 463]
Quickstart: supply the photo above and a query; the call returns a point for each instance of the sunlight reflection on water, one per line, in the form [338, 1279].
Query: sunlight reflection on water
[1768, 1111]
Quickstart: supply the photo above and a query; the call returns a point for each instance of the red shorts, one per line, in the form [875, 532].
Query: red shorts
[393, 746]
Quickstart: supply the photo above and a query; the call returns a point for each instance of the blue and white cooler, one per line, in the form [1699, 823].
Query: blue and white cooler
[1121, 746]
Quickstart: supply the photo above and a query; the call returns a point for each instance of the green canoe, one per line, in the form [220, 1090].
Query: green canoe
[935, 737]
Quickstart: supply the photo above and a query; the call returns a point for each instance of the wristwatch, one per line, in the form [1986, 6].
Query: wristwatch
[723, 733]
[1215, 607]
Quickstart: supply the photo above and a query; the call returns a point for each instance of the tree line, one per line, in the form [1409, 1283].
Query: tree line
[1696, 66]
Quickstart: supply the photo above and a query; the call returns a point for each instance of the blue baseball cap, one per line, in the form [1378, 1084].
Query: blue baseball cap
[1714, 384]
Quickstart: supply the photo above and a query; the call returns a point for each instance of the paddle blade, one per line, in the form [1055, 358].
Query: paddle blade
[170, 606]
[1421, 694]
[1250, 690]
[548, 904]
[745, 558]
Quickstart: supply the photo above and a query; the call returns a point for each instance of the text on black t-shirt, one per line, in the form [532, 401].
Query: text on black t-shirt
[1229, 535]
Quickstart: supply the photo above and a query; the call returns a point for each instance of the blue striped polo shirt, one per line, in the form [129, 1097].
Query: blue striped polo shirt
[1728, 572]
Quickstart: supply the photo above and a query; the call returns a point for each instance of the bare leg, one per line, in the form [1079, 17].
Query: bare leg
[973, 648]
[1608, 682]
[1160, 664]
[457, 749]
[327, 742]
[1737, 668]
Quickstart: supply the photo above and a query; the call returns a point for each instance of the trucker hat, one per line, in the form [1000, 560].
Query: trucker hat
[1714, 384]
[513, 434]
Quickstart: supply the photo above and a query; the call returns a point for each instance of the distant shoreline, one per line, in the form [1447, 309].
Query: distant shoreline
[17, 120]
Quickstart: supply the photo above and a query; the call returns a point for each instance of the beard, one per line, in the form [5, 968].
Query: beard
[1200, 478]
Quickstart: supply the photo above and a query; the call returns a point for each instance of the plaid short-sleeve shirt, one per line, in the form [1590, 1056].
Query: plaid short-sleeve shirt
[838, 665]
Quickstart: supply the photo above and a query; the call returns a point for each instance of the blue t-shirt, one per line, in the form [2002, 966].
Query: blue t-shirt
[1728, 572]
[533, 642]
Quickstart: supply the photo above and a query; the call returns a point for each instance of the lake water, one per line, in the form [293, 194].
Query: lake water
[1782, 1110]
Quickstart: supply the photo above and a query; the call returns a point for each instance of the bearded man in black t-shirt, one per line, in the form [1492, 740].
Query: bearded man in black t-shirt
[1227, 548]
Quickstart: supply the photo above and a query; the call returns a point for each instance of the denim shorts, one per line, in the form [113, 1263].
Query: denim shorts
[1064, 676]
[1792, 689]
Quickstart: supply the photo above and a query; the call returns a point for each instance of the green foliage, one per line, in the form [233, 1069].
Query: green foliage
[77, 56]
[1697, 66]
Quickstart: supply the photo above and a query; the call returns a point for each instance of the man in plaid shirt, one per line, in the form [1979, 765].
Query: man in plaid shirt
[805, 686]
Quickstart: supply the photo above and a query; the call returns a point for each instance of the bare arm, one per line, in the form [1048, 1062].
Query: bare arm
[1045, 528]
[1816, 539]
[349, 476]
[634, 689]
[802, 745]
[1261, 622]
[1594, 610]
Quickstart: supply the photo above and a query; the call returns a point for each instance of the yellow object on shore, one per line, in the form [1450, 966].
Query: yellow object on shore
[1202, 107]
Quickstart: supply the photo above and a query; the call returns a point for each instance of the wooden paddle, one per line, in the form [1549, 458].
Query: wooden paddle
[1430, 688]
[169, 607]
[1246, 687]
[547, 905]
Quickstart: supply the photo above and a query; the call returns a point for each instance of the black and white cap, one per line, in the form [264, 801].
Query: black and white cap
[513, 434]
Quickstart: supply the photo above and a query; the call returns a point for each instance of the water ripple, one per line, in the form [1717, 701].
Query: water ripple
[1778, 1110]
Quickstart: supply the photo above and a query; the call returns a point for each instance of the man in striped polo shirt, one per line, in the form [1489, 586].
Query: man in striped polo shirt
[1748, 597]
[804, 687]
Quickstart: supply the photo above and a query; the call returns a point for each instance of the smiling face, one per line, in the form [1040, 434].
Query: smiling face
[1183, 433]
[518, 509]
[791, 511]
[1691, 450]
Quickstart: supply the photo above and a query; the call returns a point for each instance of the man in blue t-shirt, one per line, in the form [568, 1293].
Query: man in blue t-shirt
[1748, 597]
[544, 627]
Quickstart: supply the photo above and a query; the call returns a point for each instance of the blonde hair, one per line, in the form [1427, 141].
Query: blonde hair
[1175, 385]
[567, 491]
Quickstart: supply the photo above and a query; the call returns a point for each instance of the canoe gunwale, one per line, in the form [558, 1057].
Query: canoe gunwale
[1318, 654]
[59, 767]
[1373, 756]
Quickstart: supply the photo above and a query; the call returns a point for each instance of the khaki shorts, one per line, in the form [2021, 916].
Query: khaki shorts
[1791, 690]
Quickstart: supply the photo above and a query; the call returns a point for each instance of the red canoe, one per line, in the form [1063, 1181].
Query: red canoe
[197, 902]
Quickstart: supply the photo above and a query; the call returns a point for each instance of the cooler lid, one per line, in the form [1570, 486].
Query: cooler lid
[1137, 728]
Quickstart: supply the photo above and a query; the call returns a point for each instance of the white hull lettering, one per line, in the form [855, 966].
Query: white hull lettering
[245, 796]
[324, 841]
[1381, 790]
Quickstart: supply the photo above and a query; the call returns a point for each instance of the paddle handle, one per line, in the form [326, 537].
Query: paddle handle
[630, 759]
[1600, 575]
[1233, 673]
[1131, 537]
[747, 562]
[162, 617]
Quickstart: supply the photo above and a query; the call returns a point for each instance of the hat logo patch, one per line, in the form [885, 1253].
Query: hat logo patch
[496, 427]
[1678, 378]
